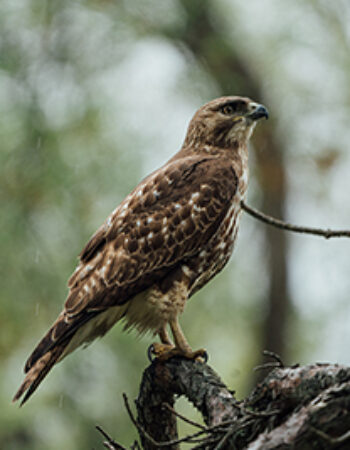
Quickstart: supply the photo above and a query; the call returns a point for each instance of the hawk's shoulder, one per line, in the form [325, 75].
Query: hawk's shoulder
[166, 218]
[168, 184]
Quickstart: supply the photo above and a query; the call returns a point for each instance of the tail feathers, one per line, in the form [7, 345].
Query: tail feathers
[62, 329]
[38, 372]
[59, 329]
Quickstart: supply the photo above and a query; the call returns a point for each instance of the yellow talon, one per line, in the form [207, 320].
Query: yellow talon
[163, 352]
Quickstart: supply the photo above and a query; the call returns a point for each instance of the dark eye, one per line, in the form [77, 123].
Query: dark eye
[231, 108]
[227, 109]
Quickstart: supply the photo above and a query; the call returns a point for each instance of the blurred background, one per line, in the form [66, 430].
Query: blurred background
[96, 94]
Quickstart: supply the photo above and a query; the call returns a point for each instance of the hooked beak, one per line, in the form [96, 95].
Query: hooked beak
[258, 112]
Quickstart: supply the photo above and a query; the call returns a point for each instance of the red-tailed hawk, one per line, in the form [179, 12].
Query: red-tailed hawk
[166, 240]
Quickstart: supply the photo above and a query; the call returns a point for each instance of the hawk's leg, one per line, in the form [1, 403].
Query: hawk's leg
[166, 350]
[182, 347]
[163, 347]
[164, 336]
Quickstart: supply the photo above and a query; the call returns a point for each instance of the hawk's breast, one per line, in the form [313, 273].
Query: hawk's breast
[213, 258]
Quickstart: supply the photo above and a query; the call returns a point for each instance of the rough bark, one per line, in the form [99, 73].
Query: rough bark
[293, 407]
[198, 382]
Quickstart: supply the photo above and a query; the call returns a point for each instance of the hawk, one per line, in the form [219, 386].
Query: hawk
[171, 235]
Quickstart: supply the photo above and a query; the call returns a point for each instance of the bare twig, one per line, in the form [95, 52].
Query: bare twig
[267, 365]
[185, 419]
[206, 443]
[249, 412]
[110, 443]
[224, 439]
[332, 440]
[274, 356]
[277, 363]
[135, 446]
[327, 234]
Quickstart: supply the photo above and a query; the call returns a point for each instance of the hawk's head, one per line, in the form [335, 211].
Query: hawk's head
[224, 122]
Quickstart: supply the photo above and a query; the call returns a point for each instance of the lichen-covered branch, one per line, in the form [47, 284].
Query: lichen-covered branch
[292, 408]
[314, 408]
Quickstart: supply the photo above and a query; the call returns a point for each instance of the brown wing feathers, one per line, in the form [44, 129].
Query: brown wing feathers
[96, 243]
[167, 218]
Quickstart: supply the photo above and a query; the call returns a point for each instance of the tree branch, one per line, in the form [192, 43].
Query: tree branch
[293, 407]
[160, 384]
[290, 227]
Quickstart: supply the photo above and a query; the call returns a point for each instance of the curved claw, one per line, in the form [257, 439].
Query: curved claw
[205, 357]
[150, 353]
[200, 355]
[160, 351]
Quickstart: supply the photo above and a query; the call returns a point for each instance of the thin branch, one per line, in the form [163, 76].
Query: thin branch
[224, 439]
[271, 413]
[206, 443]
[185, 419]
[274, 356]
[270, 365]
[249, 412]
[327, 234]
[267, 365]
[110, 443]
[332, 440]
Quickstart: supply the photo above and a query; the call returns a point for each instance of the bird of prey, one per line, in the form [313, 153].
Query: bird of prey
[172, 234]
